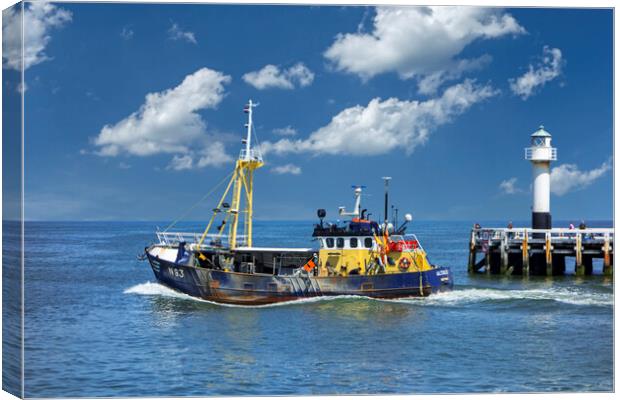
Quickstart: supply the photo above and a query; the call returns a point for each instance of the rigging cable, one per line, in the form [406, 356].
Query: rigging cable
[255, 135]
[199, 201]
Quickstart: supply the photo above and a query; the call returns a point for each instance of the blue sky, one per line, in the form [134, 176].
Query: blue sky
[443, 100]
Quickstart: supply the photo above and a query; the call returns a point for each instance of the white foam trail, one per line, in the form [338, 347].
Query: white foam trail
[453, 298]
[468, 296]
[154, 289]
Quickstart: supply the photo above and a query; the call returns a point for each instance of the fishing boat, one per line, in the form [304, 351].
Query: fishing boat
[357, 256]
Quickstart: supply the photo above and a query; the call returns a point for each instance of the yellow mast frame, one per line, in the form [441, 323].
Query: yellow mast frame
[242, 180]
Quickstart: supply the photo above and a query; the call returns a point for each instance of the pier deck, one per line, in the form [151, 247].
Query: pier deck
[524, 251]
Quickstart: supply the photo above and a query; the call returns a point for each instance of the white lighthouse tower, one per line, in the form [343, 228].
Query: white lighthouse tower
[540, 154]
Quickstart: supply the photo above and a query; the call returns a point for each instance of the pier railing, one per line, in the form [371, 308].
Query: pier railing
[212, 240]
[554, 234]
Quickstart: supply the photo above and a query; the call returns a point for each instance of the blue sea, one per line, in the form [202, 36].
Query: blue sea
[97, 324]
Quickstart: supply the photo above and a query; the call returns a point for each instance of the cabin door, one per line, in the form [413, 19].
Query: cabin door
[332, 265]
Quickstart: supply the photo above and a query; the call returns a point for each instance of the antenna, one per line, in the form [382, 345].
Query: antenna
[357, 206]
[386, 179]
[248, 110]
[394, 215]
[249, 154]
[401, 229]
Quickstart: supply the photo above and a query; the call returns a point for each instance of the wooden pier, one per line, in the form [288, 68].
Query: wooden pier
[524, 251]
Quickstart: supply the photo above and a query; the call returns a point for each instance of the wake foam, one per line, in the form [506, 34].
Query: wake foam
[157, 289]
[475, 295]
[457, 297]
[154, 289]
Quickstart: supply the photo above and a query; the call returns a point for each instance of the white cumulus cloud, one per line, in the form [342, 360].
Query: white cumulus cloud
[286, 169]
[286, 131]
[301, 74]
[127, 33]
[385, 125]
[39, 20]
[428, 84]
[509, 186]
[180, 163]
[168, 122]
[567, 177]
[214, 154]
[421, 42]
[176, 33]
[549, 68]
[271, 76]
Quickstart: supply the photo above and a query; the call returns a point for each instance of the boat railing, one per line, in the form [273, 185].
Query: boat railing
[252, 154]
[408, 237]
[212, 240]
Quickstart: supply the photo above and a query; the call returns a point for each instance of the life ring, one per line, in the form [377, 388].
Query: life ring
[404, 264]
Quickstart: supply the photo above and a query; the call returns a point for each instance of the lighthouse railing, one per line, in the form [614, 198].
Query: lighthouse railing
[541, 153]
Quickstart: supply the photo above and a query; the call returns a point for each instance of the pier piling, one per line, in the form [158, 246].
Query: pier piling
[607, 257]
[525, 254]
[487, 265]
[548, 258]
[580, 269]
[472, 253]
[503, 267]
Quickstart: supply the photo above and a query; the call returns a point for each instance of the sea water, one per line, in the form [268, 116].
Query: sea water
[97, 324]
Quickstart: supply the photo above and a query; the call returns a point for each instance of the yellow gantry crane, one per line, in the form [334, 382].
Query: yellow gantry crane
[242, 180]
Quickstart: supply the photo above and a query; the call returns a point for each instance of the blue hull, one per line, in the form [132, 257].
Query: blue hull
[254, 289]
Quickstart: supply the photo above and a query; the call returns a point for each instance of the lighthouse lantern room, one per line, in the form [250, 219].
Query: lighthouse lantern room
[540, 154]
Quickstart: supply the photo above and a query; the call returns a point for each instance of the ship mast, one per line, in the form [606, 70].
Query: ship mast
[249, 160]
[242, 180]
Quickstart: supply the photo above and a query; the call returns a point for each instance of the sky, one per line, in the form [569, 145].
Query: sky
[135, 111]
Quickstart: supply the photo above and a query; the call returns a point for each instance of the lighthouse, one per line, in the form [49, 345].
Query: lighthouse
[540, 250]
[540, 154]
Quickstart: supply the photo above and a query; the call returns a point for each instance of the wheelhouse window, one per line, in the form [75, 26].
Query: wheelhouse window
[329, 242]
[353, 243]
[340, 243]
[368, 243]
